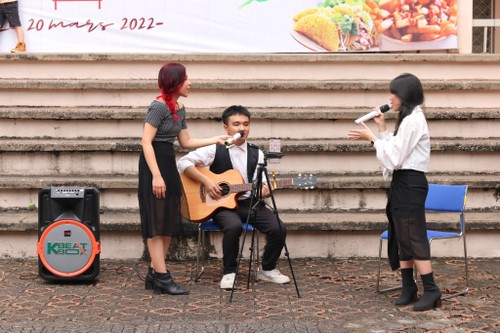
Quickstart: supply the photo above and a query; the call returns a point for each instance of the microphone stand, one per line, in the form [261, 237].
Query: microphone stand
[256, 201]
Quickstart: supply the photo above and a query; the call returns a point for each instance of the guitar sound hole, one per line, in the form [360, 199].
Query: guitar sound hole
[225, 189]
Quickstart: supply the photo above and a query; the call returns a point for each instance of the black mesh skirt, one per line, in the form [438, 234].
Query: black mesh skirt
[160, 217]
[407, 208]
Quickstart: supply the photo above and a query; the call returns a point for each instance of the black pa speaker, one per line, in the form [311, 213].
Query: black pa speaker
[68, 233]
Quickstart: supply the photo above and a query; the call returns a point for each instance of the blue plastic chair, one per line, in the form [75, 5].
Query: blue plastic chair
[208, 226]
[441, 198]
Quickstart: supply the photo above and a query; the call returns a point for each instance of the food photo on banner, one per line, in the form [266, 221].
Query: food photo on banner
[234, 26]
[383, 25]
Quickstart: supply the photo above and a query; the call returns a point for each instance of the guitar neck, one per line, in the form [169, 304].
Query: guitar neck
[236, 188]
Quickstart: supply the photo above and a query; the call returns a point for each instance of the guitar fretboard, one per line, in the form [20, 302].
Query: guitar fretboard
[236, 188]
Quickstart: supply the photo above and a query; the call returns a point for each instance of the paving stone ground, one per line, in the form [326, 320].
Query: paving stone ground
[337, 295]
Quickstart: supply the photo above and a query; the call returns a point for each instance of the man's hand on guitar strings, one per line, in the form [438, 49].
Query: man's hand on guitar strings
[212, 189]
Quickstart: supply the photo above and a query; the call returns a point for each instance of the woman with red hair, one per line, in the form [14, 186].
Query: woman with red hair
[159, 182]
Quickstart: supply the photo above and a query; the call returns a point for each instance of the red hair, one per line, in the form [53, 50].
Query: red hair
[170, 79]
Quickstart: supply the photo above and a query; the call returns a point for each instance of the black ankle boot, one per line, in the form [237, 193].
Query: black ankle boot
[149, 278]
[409, 292]
[431, 297]
[164, 284]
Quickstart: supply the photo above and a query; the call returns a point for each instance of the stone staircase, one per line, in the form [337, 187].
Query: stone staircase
[77, 120]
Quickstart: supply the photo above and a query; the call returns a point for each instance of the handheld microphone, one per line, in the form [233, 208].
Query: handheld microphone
[235, 137]
[373, 114]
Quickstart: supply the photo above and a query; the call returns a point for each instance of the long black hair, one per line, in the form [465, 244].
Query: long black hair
[409, 90]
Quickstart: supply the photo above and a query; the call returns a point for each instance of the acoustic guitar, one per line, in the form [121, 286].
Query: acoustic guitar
[197, 205]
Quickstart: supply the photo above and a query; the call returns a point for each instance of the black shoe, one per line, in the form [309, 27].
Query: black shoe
[409, 292]
[408, 295]
[431, 298]
[164, 284]
[149, 278]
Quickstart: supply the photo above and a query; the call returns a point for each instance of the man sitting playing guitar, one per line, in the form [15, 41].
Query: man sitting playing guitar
[243, 157]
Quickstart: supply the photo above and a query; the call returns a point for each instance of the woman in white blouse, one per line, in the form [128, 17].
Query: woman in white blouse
[405, 154]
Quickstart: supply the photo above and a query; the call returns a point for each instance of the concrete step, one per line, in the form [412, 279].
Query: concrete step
[458, 93]
[252, 66]
[117, 155]
[334, 113]
[332, 192]
[328, 122]
[352, 234]
[129, 220]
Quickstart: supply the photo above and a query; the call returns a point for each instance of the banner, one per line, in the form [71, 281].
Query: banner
[234, 26]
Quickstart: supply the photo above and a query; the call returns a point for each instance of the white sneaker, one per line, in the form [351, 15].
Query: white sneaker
[227, 281]
[274, 276]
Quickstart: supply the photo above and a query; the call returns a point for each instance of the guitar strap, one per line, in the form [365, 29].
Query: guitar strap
[222, 161]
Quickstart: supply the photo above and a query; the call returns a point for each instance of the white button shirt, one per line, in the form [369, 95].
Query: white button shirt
[409, 149]
[205, 156]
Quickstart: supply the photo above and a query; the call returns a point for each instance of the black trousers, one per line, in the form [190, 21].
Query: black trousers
[231, 221]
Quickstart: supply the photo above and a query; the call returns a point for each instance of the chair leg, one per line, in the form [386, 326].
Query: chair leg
[466, 268]
[250, 259]
[466, 264]
[379, 263]
[378, 271]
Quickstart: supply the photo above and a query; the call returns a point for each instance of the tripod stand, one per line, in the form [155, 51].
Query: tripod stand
[257, 202]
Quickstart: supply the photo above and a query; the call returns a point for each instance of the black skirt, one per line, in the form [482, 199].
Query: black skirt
[160, 217]
[406, 213]
[408, 193]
